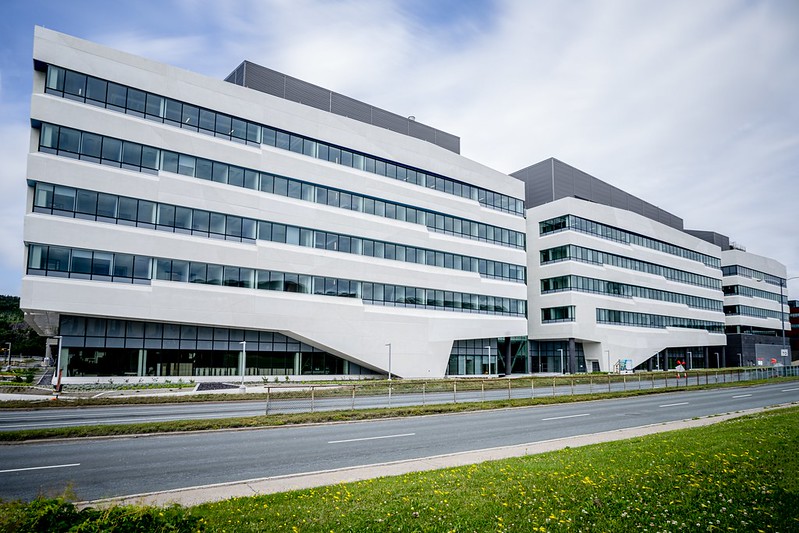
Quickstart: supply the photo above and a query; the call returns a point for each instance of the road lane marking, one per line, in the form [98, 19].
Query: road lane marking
[673, 404]
[37, 468]
[789, 390]
[742, 396]
[372, 438]
[566, 416]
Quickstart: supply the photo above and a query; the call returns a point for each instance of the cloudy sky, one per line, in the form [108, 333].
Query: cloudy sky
[690, 105]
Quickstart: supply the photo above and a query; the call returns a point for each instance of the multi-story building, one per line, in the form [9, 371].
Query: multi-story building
[614, 282]
[186, 227]
[754, 304]
[793, 307]
[182, 227]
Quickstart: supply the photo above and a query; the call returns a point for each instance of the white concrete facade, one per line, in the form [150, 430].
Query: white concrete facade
[349, 328]
[606, 344]
[757, 323]
[760, 275]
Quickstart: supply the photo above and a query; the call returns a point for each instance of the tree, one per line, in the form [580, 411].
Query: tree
[13, 329]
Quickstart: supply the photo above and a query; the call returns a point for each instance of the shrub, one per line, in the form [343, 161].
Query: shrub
[58, 515]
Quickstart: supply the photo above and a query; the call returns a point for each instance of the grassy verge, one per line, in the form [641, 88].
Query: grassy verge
[740, 475]
[332, 416]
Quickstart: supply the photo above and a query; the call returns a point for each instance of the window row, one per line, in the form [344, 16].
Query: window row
[743, 290]
[69, 142]
[578, 253]
[572, 222]
[747, 310]
[746, 272]
[73, 327]
[644, 320]
[565, 313]
[103, 207]
[166, 358]
[77, 263]
[624, 290]
[95, 91]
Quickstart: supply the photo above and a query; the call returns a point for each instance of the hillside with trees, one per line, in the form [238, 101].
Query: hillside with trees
[13, 329]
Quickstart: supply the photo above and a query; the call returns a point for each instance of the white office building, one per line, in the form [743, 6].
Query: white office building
[755, 322]
[176, 222]
[614, 282]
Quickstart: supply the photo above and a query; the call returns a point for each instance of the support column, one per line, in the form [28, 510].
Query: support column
[142, 367]
[572, 356]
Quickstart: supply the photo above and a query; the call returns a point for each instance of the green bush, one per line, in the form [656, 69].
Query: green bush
[58, 515]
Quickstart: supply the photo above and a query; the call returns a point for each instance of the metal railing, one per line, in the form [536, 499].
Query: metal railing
[301, 398]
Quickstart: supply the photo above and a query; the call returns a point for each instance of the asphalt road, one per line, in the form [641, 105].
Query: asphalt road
[11, 420]
[101, 468]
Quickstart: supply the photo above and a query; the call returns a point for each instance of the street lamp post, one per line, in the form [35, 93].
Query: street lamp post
[562, 370]
[243, 360]
[389, 360]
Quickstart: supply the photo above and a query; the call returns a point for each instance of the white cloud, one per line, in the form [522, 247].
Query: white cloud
[13, 188]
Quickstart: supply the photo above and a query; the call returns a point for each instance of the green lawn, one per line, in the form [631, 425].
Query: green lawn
[740, 475]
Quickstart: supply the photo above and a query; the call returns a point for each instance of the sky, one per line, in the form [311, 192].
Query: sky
[691, 106]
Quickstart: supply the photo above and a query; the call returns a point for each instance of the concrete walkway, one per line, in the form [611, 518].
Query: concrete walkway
[269, 485]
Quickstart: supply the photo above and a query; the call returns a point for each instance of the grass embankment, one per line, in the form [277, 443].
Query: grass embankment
[740, 475]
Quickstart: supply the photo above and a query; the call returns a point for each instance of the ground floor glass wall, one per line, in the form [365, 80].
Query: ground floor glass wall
[109, 347]
[553, 356]
[470, 357]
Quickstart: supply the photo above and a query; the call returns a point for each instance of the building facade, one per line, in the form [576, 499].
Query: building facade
[755, 305]
[183, 227]
[179, 226]
[614, 283]
[793, 309]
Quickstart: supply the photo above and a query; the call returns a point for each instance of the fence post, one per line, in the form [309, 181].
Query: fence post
[572, 386]
[608, 382]
[313, 407]
[267, 400]
[454, 392]
[353, 398]
[389, 394]
[590, 384]
[483, 390]
[639, 381]
[624, 381]
[553, 387]
[424, 399]
[532, 388]
[508, 388]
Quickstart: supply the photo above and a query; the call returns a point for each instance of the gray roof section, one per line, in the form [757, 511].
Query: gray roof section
[266, 80]
[552, 179]
[722, 241]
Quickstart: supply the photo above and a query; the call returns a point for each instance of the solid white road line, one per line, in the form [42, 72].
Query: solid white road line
[673, 404]
[372, 438]
[742, 396]
[37, 468]
[567, 416]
